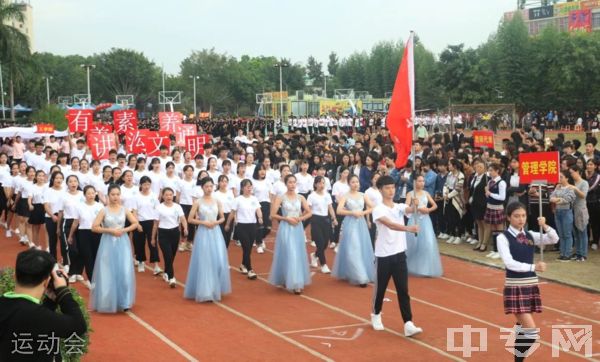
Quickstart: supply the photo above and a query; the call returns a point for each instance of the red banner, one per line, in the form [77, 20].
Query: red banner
[98, 127]
[100, 144]
[44, 128]
[195, 144]
[539, 166]
[146, 142]
[80, 120]
[153, 142]
[483, 139]
[168, 121]
[133, 141]
[184, 130]
[125, 121]
[580, 20]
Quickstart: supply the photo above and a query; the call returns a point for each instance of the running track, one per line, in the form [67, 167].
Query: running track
[329, 322]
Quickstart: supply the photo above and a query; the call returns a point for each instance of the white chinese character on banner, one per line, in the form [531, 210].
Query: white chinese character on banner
[124, 121]
[104, 143]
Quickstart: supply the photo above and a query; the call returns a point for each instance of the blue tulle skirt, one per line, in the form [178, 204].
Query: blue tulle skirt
[113, 283]
[290, 261]
[208, 274]
[422, 254]
[355, 261]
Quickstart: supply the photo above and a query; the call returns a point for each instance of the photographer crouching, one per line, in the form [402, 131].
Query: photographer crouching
[30, 326]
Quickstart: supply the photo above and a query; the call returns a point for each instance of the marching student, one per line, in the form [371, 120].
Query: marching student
[185, 197]
[208, 273]
[321, 223]
[245, 213]
[53, 205]
[354, 261]
[516, 247]
[390, 255]
[144, 211]
[375, 196]
[224, 195]
[290, 264]
[9, 190]
[263, 192]
[494, 218]
[166, 230]
[23, 188]
[72, 198]
[339, 190]
[36, 207]
[113, 283]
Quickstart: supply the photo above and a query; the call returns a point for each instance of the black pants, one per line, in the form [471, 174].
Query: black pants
[453, 219]
[265, 228]
[321, 234]
[51, 229]
[88, 243]
[140, 238]
[338, 227]
[247, 234]
[226, 234]
[168, 239]
[191, 227]
[393, 266]
[74, 259]
[306, 222]
[372, 231]
[438, 219]
[594, 225]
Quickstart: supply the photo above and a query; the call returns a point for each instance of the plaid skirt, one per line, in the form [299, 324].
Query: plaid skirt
[494, 216]
[522, 299]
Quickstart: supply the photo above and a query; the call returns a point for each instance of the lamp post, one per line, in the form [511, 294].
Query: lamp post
[281, 65]
[88, 67]
[194, 77]
[2, 93]
[48, 89]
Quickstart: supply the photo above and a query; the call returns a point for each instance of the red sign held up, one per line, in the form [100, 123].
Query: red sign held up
[44, 128]
[195, 144]
[100, 144]
[483, 139]
[80, 120]
[168, 121]
[125, 121]
[539, 166]
[184, 130]
[98, 127]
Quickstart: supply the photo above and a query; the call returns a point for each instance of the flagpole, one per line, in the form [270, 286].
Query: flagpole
[412, 115]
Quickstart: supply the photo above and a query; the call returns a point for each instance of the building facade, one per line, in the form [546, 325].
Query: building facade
[26, 26]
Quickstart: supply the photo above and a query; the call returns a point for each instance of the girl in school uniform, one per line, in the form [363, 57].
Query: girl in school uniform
[208, 274]
[23, 188]
[290, 264]
[495, 193]
[89, 242]
[321, 223]
[516, 247]
[224, 195]
[354, 261]
[144, 211]
[36, 207]
[53, 205]
[166, 230]
[246, 213]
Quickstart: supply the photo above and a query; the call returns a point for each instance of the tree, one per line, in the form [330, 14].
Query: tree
[314, 71]
[14, 48]
[333, 64]
[51, 114]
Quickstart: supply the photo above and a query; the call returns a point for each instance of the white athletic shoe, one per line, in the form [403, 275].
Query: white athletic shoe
[489, 255]
[325, 269]
[377, 323]
[87, 284]
[332, 245]
[181, 247]
[443, 236]
[79, 277]
[314, 262]
[165, 277]
[237, 243]
[594, 246]
[496, 255]
[157, 270]
[243, 269]
[450, 240]
[313, 244]
[410, 329]
[260, 249]
[135, 262]
[17, 231]
[251, 274]
[66, 268]
[72, 279]
[457, 240]
[188, 246]
[9, 233]
[172, 283]
[141, 267]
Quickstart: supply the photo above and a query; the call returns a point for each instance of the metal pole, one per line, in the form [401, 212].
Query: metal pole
[541, 228]
[2, 93]
[48, 89]
[195, 114]
[87, 67]
[281, 92]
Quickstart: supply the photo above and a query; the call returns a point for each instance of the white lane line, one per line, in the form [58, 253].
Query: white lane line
[500, 294]
[161, 336]
[323, 328]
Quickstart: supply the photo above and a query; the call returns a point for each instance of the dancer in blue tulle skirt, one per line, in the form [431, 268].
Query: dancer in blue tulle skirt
[208, 274]
[290, 262]
[355, 261]
[422, 255]
[113, 281]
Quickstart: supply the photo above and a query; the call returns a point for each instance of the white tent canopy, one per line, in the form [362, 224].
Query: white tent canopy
[28, 133]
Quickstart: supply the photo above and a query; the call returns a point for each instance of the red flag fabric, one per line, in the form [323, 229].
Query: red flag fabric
[399, 120]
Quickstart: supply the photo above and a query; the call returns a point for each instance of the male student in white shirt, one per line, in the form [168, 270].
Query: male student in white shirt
[390, 254]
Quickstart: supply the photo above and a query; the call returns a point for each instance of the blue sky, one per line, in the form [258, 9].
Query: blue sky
[168, 31]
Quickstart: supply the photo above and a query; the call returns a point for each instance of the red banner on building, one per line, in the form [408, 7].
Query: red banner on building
[184, 130]
[580, 20]
[100, 144]
[125, 121]
[45, 128]
[483, 139]
[80, 120]
[539, 166]
[98, 127]
[195, 144]
[168, 121]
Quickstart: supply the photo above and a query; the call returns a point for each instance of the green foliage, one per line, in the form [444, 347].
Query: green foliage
[7, 284]
[51, 114]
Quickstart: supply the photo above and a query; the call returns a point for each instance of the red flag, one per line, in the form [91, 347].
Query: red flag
[400, 116]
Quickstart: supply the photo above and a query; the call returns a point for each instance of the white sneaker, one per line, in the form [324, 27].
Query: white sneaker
[489, 255]
[314, 262]
[443, 236]
[260, 249]
[243, 269]
[141, 267]
[457, 240]
[87, 284]
[251, 274]
[79, 277]
[72, 279]
[410, 329]
[26, 238]
[594, 246]
[135, 262]
[325, 269]
[496, 255]
[157, 270]
[8, 233]
[17, 232]
[181, 247]
[450, 240]
[165, 277]
[22, 240]
[473, 241]
[172, 283]
[376, 322]
[313, 244]
[332, 246]
[237, 243]
[336, 249]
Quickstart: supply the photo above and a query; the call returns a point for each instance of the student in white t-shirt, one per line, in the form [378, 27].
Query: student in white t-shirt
[375, 196]
[390, 255]
[145, 212]
[321, 222]
[170, 217]
[246, 213]
[224, 195]
[185, 196]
